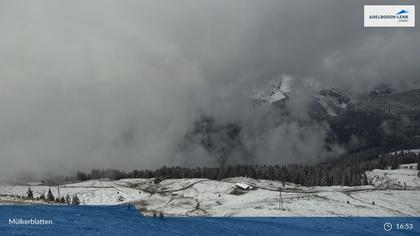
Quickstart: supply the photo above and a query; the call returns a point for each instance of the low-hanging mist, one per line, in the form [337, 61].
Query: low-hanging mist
[119, 84]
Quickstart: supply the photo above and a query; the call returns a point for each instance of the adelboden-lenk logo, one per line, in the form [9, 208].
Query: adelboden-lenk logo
[389, 16]
[402, 16]
[402, 12]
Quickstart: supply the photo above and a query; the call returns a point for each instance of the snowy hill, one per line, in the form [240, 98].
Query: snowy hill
[391, 193]
[403, 178]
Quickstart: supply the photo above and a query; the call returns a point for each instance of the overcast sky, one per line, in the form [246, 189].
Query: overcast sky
[117, 84]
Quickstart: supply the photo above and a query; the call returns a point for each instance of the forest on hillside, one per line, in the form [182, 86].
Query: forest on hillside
[347, 170]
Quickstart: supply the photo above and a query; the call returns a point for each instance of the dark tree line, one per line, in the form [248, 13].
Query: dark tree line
[50, 197]
[348, 170]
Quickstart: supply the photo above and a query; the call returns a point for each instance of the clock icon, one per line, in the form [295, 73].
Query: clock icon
[387, 226]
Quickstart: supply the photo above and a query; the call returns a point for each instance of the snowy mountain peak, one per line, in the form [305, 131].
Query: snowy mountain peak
[328, 102]
[277, 90]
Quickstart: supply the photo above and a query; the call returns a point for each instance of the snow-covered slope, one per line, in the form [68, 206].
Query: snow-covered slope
[403, 178]
[391, 193]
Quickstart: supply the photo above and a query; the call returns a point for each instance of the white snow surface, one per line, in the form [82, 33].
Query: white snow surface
[276, 91]
[394, 193]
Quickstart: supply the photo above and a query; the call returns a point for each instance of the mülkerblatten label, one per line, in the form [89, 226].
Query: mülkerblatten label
[31, 221]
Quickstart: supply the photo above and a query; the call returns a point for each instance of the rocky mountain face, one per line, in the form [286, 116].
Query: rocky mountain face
[220, 140]
[388, 120]
[381, 118]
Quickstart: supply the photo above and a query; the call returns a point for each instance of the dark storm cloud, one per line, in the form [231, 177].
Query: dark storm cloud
[117, 84]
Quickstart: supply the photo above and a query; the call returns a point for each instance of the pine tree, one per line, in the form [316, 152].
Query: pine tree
[30, 193]
[50, 196]
[324, 180]
[68, 200]
[42, 196]
[62, 200]
[394, 164]
[365, 179]
[418, 162]
[76, 200]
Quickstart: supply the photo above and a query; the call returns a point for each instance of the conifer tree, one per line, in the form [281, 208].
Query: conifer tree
[68, 199]
[76, 200]
[50, 196]
[30, 193]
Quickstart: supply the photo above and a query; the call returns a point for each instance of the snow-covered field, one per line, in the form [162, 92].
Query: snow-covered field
[390, 193]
